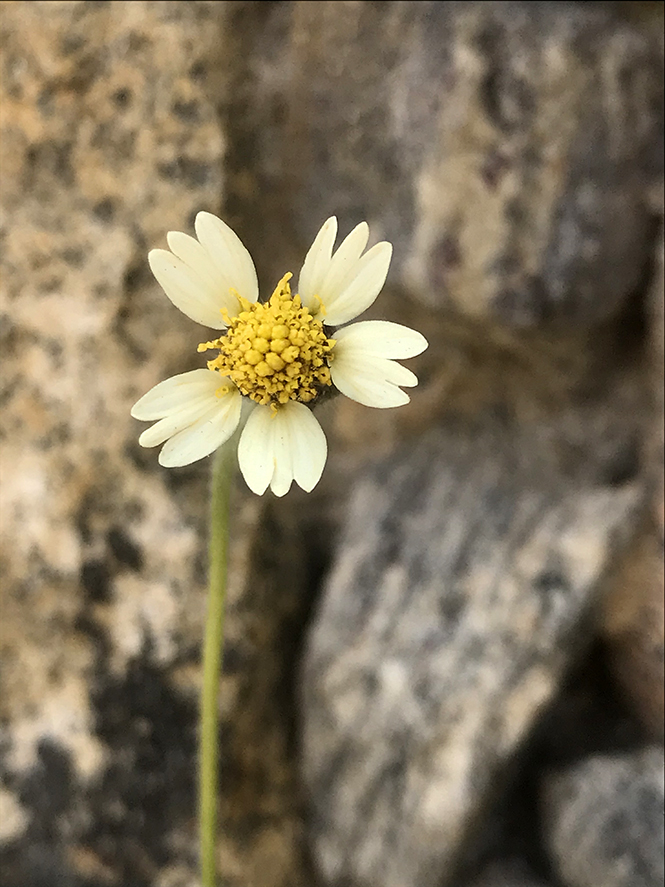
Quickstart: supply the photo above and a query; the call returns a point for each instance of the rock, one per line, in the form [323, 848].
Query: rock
[111, 136]
[467, 575]
[634, 617]
[505, 148]
[120, 122]
[508, 874]
[633, 626]
[603, 819]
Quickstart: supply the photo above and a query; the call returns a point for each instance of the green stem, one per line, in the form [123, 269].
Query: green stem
[222, 477]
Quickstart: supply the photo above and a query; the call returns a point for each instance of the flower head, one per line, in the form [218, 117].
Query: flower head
[275, 358]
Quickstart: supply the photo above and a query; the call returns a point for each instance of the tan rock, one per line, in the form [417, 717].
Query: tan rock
[634, 620]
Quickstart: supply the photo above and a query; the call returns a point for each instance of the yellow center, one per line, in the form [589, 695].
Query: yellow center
[276, 351]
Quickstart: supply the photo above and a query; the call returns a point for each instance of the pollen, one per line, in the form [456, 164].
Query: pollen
[274, 351]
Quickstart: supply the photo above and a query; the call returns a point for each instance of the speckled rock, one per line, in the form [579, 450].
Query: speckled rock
[505, 148]
[110, 136]
[604, 821]
[467, 575]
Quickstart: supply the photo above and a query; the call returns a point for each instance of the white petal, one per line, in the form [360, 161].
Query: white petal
[193, 254]
[189, 291]
[282, 475]
[276, 448]
[371, 381]
[205, 435]
[255, 453]
[309, 447]
[197, 258]
[227, 252]
[380, 338]
[176, 392]
[391, 371]
[178, 420]
[360, 292]
[316, 264]
[343, 265]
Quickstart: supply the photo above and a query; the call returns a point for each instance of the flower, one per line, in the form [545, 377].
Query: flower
[275, 358]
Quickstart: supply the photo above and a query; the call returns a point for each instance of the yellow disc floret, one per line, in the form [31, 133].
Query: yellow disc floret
[274, 351]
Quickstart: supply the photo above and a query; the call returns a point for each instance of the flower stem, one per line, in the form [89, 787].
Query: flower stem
[222, 478]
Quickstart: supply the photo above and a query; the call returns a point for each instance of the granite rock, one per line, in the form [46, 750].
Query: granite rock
[466, 580]
[603, 819]
[505, 148]
[111, 136]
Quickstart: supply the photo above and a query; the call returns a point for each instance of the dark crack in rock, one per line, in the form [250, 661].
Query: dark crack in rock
[512, 873]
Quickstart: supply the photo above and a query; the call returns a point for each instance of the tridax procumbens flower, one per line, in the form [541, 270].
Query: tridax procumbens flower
[275, 357]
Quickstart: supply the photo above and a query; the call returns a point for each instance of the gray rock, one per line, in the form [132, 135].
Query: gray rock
[466, 578]
[508, 874]
[505, 148]
[604, 821]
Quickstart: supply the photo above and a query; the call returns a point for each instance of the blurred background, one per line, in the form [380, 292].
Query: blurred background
[444, 667]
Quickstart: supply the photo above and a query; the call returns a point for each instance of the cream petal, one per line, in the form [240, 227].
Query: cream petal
[371, 382]
[176, 392]
[316, 264]
[205, 435]
[391, 371]
[360, 292]
[282, 475]
[343, 265]
[178, 420]
[380, 338]
[192, 293]
[228, 254]
[195, 256]
[309, 447]
[276, 448]
[255, 452]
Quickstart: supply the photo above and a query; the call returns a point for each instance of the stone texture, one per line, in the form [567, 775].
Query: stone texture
[634, 620]
[110, 136]
[424, 674]
[505, 148]
[508, 874]
[633, 626]
[489, 141]
[604, 821]
[465, 581]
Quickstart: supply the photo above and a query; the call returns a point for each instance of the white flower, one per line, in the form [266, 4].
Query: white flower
[274, 357]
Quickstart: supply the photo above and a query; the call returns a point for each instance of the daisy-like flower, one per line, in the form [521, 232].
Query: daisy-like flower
[275, 358]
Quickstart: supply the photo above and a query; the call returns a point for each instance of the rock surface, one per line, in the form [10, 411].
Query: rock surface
[505, 149]
[467, 576]
[509, 150]
[111, 136]
[604, 821]
[508, 874]
[634, 621]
